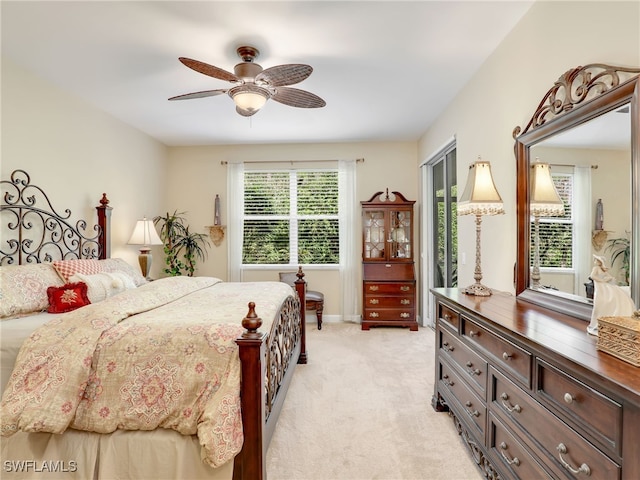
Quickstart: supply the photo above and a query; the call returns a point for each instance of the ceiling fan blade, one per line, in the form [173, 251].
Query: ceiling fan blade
[297, 98]
[204, 93]
[246, 113]
[282, 75]
[209, 70]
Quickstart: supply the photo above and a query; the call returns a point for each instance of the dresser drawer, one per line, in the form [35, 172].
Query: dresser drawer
[449, 316]
[466, 360]
[562, 448]
[400, 314]
[513, 456]
[397, 288]
[580, 405]
[378, 301]
[470, 406]
[507, 355]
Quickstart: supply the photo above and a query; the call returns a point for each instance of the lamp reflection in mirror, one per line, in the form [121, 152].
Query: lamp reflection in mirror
[544, 202]
[145, 234]
[480, 197]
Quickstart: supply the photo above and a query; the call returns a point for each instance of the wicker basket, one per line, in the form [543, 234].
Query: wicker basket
[620, 337]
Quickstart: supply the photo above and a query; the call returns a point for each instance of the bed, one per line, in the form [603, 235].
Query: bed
[79, 398]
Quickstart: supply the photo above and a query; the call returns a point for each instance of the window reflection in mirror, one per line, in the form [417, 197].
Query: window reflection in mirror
[591, 168]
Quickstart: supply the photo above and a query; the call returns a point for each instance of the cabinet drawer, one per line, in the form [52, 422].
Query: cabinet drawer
[471, 407]
[581, 406]
[562, 447]
[381, 288]
[377, 301]
[449, 316]
[465, 359]
[389, 314]
[510, 452]
[508, 356]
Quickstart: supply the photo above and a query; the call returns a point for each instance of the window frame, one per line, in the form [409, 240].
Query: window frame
[293, 217]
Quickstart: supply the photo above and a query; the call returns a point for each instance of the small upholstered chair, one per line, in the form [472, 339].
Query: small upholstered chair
[313, 300]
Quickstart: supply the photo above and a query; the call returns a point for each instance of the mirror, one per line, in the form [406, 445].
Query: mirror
[586, 128]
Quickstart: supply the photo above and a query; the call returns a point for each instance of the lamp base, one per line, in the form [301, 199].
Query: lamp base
[145, 259]
[478, 290]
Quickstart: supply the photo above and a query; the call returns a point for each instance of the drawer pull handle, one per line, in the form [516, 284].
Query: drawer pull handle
[373, 288]
[374, 315]
[374, 301]
[445, 377]
[471, 370]
[584, 468]
[507, 356]
[568, 398]
[511, 408]
[473, 334]
[447, 317]
[447, 347]
[474, 413]
[405, 301]
[405, 315]
[404, 288]
[515, 461]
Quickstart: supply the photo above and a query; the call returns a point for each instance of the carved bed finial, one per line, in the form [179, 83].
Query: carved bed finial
[576, 86]
[252, 322]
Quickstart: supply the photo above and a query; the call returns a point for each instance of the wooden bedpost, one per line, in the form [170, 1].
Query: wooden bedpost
[104, 222]
[301, 288]
[251, 462]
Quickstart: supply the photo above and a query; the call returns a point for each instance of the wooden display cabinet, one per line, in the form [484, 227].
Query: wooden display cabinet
[389, 281]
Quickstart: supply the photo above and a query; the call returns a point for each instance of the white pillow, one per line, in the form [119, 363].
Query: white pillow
[104, 285]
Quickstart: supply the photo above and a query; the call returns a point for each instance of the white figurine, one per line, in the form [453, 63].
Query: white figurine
[609, 299]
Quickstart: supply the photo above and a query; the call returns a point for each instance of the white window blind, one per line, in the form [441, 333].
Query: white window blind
[291, 217]
[556, 234]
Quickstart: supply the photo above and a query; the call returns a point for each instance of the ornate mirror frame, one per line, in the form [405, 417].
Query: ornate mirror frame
[579, 95]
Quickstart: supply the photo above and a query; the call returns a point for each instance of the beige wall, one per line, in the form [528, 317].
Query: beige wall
[197, 175]
[76, 152]
[550, 39]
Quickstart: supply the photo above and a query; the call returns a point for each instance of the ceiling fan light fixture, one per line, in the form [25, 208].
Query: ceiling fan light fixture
[248, 97]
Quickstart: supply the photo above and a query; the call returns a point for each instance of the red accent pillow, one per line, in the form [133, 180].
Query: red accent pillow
[66, 268]
[67, 298]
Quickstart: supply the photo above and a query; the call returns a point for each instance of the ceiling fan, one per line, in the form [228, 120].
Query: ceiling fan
[254, 86]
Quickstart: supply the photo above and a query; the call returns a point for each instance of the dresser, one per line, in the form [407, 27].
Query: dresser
[388, 273]
[529, 392]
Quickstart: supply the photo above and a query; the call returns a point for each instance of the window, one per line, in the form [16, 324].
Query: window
[291, 217]
[445, 221]
[556, 234]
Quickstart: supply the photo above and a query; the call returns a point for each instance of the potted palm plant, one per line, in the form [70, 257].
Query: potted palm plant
[182, 248]
[620, 250]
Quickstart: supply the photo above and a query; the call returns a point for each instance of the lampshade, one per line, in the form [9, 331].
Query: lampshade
[145, 234]
[249, 97]
[480, 196]
[545, 201]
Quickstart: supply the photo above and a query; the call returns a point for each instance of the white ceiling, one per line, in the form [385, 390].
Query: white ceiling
[385, 68]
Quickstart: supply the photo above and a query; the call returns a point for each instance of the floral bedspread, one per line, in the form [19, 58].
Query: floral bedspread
[160, 356]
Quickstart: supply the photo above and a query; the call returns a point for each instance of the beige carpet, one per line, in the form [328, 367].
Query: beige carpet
[361, 409]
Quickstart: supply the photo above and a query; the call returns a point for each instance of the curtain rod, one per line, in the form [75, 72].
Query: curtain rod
[224, 162]
[595, 167]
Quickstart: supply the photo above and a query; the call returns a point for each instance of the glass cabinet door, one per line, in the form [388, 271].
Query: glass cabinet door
[400, 234]
[374, 234]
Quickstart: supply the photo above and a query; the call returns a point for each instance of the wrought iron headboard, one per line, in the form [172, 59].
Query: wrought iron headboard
[34, 232]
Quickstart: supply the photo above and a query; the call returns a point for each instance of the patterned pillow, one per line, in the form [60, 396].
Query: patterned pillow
[66, 268]
[23, 288]
[104, 285]
[119, 265]
[67, 297]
